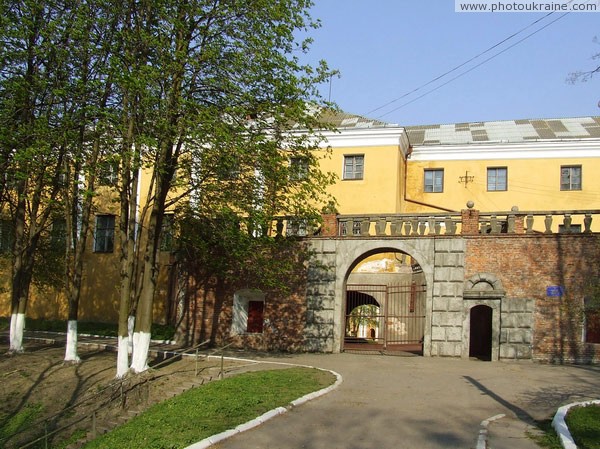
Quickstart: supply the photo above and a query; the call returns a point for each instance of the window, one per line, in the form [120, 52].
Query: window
[354, 166]
[298, 168]
[434, 180]
[228, 169]
[497, 179]
[58, 234]
[255, 317]
[104, 236]
[570, 177]
[592, 321]
[166, 232]
[6, 235]
[297, 227]
[108, 173]
[248, 312]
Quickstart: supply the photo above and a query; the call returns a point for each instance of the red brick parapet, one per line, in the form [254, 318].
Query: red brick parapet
[330, 225]
[470, 221]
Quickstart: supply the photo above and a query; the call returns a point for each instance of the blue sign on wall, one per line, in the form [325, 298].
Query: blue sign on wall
[555, 290]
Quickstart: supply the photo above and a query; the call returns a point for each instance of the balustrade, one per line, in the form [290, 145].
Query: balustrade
[511, 222]
[468, 222]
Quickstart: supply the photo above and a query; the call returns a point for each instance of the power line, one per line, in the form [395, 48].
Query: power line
[465, 72]
[464, 64]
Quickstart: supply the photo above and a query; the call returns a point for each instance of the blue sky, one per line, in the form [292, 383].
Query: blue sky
[386, 48]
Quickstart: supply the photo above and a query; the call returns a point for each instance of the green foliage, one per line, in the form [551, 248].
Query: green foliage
[214, 92]
[364, 315]
[584, 425]
[235, 248]
[213, 408]
[13, 424]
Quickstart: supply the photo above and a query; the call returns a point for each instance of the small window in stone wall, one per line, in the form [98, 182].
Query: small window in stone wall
[592, 326]
[248, 312]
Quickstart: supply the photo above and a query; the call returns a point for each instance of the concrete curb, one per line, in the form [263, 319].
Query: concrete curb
[482, 439]
[207, 442]
[559, 424]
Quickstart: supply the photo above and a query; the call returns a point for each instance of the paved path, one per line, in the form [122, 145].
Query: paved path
[420, 403]
[393, 402]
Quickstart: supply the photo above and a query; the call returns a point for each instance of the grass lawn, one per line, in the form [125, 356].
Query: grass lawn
[584, 425]
[213, 408]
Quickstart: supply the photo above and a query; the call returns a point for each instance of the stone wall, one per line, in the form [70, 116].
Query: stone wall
[545, 328]
[321, 298]
[447, 308]
[517, 269]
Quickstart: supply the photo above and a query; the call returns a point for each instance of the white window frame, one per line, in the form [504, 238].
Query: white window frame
[435, 185]
[496, 183]
[566, 182]
[354, 167]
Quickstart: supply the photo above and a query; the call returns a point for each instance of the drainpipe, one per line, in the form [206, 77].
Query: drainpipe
[409, 200]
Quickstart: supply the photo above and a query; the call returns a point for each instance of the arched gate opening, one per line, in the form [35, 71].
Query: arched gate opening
[385, 305]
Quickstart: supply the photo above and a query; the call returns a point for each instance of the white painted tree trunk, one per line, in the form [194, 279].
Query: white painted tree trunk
[123, 356]
[141, 344]
[130, 327]
[71, 349]
[17, 328]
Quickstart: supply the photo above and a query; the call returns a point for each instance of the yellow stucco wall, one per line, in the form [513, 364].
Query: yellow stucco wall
[533, 185]
[378, 191]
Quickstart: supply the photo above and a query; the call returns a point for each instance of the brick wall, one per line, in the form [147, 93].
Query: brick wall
[527, 265]
[207, 315]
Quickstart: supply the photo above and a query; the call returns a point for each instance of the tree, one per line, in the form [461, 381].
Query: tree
[365, 315]
[34, 133]
[217, 82]
[159, 87]
[586, 75]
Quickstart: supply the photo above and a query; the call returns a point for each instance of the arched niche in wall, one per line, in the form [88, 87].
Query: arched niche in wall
[482, 289]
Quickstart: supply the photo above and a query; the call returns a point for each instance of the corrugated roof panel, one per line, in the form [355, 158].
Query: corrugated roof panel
[511, 130]
[557, 126]
[416, 137]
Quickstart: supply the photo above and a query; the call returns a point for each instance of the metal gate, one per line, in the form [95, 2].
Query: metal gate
[385, 317]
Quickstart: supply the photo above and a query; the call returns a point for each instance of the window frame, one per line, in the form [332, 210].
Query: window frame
[241, 322]
[591, 324]
[353, 174]
[569, 185]
[108, 173]
[104, 236]
[299, 167]
[434, 172]
[496, 187]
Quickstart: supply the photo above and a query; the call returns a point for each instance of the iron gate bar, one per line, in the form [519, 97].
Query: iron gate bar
[401, 324]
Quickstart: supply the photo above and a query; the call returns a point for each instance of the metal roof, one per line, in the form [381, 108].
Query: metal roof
[343, 120]
[509, 131]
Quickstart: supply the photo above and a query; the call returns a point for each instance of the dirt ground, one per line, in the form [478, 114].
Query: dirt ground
[38, 379]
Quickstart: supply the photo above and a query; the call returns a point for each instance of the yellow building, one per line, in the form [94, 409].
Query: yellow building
[535, 165]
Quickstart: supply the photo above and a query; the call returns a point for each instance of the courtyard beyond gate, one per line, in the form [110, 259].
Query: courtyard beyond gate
[385, 317]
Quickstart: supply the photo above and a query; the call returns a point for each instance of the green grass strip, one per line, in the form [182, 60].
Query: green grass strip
[213, 408]
[584, 425]
[13, 424]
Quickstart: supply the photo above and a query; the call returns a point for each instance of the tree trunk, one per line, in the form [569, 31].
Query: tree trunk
[143, 322]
